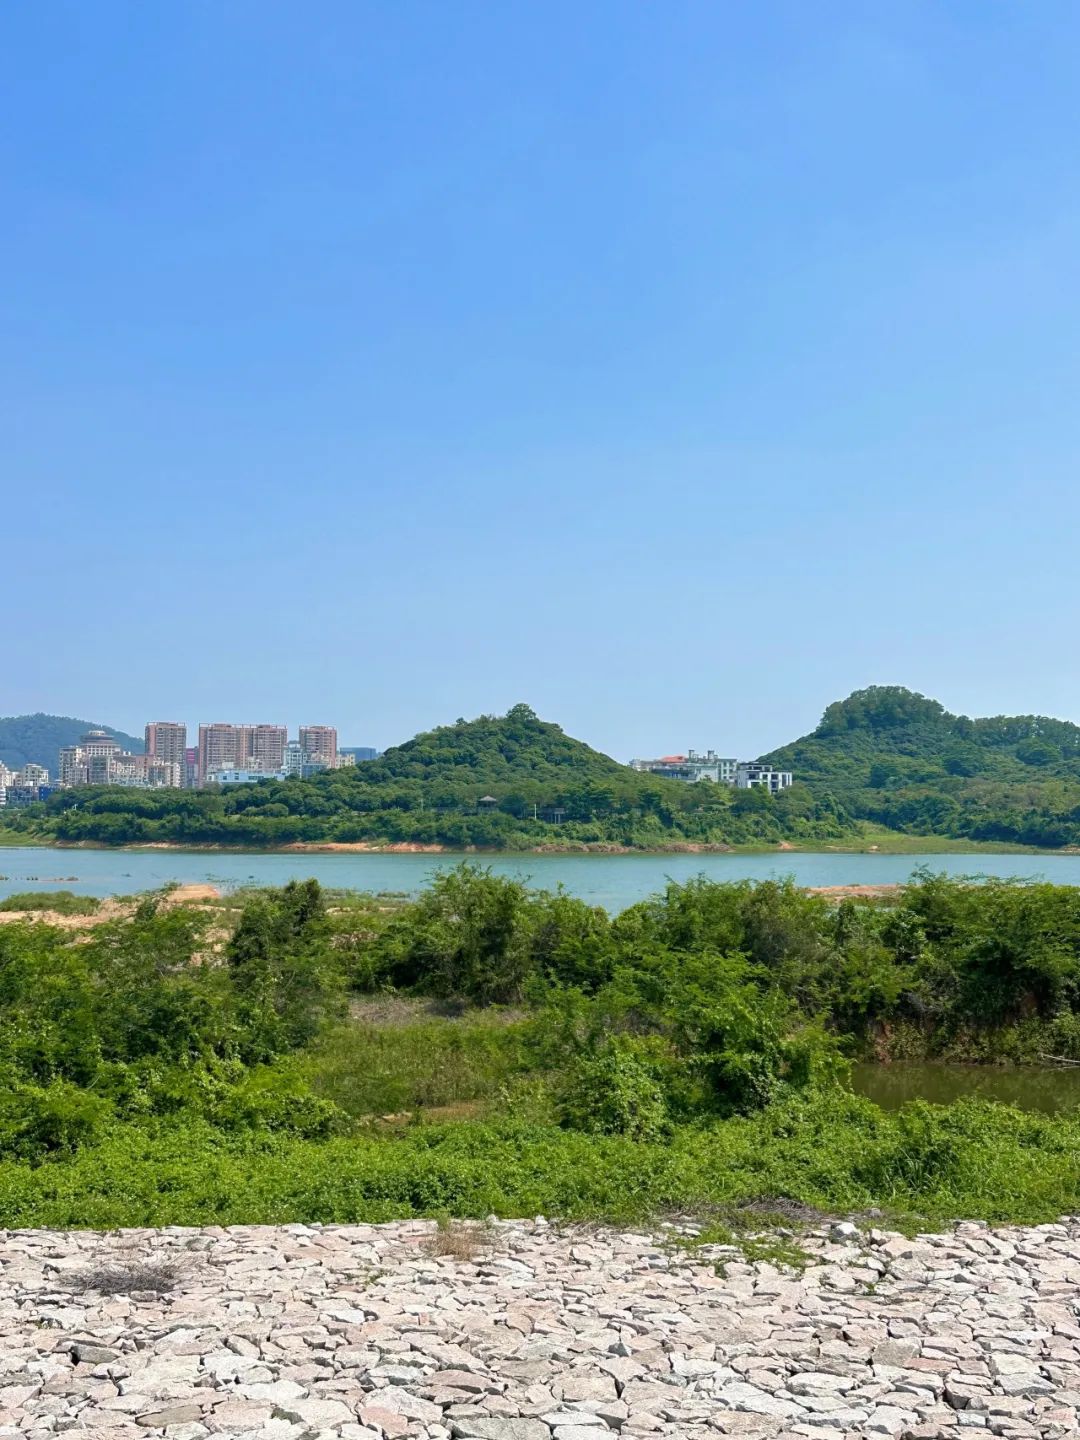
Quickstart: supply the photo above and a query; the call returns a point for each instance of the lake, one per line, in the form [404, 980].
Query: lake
[613, 881]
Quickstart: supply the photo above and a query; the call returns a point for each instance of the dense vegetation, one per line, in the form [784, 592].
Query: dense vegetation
[885, 756]
[486, 1048]
[509, 782]
[38, 739]
[898, 759]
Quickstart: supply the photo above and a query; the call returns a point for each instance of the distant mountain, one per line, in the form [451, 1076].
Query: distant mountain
[38, 739]
[893, 756]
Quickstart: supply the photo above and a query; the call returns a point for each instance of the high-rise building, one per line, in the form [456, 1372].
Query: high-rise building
[72, 765]
[166, 742]
[319, 744]
[217, 749]
[241, 747]
[266, 747]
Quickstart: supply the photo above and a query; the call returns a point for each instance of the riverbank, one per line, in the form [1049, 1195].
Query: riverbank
[524, 1331]
[873, 842]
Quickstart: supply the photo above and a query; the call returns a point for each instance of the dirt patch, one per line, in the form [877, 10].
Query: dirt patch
[855, 892]
[363, 847]
[192, 895]
[115, 908]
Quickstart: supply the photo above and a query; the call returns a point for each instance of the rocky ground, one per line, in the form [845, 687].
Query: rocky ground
[522, 1331]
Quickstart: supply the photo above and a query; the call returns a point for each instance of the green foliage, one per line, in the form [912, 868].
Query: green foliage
[476, 936]
[831, 1151]
[689, 1054]
[548, 789]
[57, 902]
[615, 1090]
[895, 758]
[284, 968]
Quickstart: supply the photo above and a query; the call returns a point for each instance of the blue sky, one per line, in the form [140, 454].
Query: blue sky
[676, 368]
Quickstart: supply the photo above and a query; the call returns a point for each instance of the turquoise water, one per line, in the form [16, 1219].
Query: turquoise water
[613, 881]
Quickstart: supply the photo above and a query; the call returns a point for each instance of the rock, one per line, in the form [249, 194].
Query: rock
[171, 1415]
[844, 1231]
[357, 1332]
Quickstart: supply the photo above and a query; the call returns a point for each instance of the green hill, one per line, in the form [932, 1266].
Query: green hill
[38, 739]
[894, 757]
[510, 782]
[884, 755]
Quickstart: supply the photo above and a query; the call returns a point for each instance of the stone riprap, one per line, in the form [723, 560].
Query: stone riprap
[367, 1333]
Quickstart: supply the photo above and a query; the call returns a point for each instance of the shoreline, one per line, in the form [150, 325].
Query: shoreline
[902, 845]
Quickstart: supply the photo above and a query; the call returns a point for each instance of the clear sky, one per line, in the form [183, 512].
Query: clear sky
[674, 367]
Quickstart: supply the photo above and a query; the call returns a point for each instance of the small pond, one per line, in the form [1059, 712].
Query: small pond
[1028, 1086]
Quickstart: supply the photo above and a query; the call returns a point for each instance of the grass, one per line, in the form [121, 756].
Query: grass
[458, 1240]
[419, 1064]
[57, 902]
[924, 1165]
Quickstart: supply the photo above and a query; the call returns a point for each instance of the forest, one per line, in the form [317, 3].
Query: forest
[499, 782]
[884, 761]
[485, 1048]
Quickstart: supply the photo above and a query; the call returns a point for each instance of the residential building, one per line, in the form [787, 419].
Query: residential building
[72, 765]
[219, 749]
[345, 760]
[691, 767]
[24, 786]
[166, 741]
[265, 747]
[98, 760]
[191, 767]
[319, 744]
[751, 775]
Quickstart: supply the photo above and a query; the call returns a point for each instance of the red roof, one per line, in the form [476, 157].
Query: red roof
[672, 759]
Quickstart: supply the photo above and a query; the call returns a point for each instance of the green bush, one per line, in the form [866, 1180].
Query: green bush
[58, 902]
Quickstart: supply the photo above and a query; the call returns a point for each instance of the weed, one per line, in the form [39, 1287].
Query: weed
[123, 1277]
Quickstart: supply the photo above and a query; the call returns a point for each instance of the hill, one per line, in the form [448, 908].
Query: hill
[892, 756]
[885, 755]
[38, 739]
[509, 782]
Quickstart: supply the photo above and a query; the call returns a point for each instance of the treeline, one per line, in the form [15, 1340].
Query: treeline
[188, 1066]
[510, 782]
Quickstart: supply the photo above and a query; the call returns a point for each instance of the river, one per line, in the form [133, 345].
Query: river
[613, 881]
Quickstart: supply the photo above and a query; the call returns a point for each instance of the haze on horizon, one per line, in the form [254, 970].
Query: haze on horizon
[674, 369]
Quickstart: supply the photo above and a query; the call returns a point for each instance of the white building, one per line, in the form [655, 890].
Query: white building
[691, 767]
[750, 775]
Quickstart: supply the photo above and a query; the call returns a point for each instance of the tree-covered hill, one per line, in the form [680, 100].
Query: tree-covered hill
[38, 739]
[884, 755]
[511, 781]
[892, 756]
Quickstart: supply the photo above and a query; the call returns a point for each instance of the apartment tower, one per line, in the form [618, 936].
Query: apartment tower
[319, 744]
[241, 747]
[166, 741]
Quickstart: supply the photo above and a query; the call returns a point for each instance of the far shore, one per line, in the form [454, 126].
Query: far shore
[877, 844]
